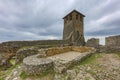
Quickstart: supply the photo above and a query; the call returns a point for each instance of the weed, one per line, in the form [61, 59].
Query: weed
[12, 61]
[91, 59]
[23, 75]
[2, 79]
[118, 54]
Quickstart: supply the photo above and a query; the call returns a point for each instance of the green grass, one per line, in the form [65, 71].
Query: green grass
[23, 75]
[39, 46]
[118, 54]
[43, 76]
[91, 59]
[2, 79]
[5, 73]
[12, 61]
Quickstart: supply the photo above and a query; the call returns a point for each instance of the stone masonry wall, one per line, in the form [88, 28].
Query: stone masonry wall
[93, 42]
[13, 46]
[112, 43]
[37, 64]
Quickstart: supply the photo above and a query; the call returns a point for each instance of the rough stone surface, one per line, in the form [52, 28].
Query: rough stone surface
[15, 73]
[102, 48]
[13, 46]
[5, 60]
[112, 43]
[93, 42]
[63, 61]
[74, 28]
[37, 65]
[103, 67]
[24, 52]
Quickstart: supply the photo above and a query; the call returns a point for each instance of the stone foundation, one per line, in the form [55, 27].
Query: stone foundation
[37, 64]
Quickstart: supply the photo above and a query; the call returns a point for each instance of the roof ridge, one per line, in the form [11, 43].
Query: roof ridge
[75, 11]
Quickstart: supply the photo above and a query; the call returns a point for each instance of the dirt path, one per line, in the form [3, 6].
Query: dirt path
[107, 67]
[98, 67]
[110, 61]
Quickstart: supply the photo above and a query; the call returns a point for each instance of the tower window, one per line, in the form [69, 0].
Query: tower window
[65, 21]
[70, 17]
[80, 18]
[77, 17]
[66, 18]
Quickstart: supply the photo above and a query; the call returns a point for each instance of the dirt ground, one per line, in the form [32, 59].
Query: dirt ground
[100, 66]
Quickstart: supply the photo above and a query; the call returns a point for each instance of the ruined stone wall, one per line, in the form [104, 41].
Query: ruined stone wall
[13, 46]
[39, 64]
[112, 43]
[25, 52]
[93, 42]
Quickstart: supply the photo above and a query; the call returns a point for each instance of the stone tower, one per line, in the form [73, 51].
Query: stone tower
[74, 28]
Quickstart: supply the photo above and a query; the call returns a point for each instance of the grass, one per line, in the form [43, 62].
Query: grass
[46, 77]
[43, 76]
[12, 61]
[5, 73]
[91, 59]
[118, 54]
[39, 46]
[23, 75]
[2, 79]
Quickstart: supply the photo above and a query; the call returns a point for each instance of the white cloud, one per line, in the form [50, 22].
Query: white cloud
[42, 19]
[100, 24]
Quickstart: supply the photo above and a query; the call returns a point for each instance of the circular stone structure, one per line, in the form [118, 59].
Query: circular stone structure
[55, 59]
[34, 65]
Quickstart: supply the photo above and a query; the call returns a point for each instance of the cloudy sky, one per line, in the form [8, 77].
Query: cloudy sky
[42, 19]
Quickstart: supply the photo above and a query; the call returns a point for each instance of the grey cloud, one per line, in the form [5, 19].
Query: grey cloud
[42, 19]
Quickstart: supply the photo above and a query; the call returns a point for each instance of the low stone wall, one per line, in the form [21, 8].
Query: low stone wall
[102, 49]
[13, 46]
[58, 50]
[38, 64]
[5, 60]
[25, 52]
[93, 42]
[112, 43]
